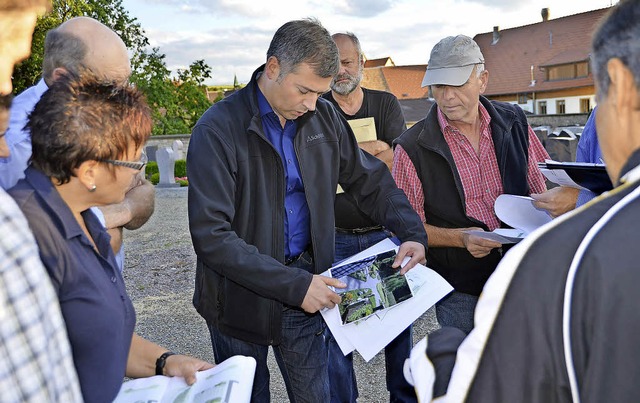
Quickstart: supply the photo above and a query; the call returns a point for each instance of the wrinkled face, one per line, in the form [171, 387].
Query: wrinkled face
[351, 67]
[460, 104]
[297, 92]
[16, 29]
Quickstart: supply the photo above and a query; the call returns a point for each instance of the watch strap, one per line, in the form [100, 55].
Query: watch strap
[161, 361]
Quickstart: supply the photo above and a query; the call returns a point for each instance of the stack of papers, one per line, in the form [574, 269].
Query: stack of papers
[579, 175]
[517, 212]
[229, 381]
[368, 327]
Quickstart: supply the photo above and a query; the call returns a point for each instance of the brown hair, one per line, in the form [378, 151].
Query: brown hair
[81, 119]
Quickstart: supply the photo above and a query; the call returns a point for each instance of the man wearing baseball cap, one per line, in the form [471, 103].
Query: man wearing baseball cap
[455, 163]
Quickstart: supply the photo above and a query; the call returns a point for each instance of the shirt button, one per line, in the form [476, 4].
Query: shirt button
[290, 211]
[289, 161]
[113, 279]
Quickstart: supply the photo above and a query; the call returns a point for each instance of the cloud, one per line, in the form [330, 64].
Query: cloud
[363, 8]
[227, 51]
[503, 5]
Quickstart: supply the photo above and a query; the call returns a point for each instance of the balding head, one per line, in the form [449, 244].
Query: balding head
[81, 44]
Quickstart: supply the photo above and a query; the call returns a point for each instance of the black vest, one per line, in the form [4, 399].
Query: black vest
[444, 203]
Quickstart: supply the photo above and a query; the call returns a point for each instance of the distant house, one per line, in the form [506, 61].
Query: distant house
[405, 83]
[382, 62]
[543, 67]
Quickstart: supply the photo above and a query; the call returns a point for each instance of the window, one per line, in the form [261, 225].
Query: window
[567, 71]
[585, 105]
[523, 98]
[560, 110]
[542, 107]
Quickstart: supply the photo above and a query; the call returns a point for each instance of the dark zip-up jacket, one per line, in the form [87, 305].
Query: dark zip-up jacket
[444, 202]
[236, 207]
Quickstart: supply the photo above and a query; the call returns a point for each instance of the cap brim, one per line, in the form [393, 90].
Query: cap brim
[447, 76]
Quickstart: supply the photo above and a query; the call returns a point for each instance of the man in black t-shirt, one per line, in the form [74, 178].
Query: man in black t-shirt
[355, 231]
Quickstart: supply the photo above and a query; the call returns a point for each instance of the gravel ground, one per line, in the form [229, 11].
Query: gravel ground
[159, 273]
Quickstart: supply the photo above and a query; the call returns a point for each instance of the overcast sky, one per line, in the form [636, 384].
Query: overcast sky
[232, 36]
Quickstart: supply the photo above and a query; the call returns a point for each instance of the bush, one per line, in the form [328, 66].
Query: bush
[180, 172]
[180, 169]
[150, 169]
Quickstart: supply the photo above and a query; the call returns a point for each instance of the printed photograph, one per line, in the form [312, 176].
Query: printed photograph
[372, 285]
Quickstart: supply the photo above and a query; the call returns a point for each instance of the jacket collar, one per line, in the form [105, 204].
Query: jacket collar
[60, 211]
[431, 136]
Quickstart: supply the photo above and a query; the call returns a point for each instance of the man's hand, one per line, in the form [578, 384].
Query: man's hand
[320, 296]
[413, 249]
[477, 246]
[374, 147]
[557, 201]
[185, 366]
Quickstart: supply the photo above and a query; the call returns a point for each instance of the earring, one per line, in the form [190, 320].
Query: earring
[92, 188]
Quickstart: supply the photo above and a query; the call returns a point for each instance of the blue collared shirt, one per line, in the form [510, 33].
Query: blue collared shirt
[98, 313]
[588, 151]
[297, 233]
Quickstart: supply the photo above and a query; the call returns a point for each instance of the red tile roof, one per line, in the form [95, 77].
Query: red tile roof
[378, 62]
[556, 41]
[402, 81]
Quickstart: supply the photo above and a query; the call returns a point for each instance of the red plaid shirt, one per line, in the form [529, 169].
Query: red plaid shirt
[479, 171]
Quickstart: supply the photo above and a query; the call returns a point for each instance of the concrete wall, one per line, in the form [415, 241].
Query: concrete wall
[568, 119]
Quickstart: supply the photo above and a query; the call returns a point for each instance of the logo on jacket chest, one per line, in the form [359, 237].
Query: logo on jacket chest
[314, 137]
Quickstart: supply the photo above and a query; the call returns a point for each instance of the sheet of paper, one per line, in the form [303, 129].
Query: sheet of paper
[520, 213]
[229, 381]
[371, 335]
[502, 235]
[372, 283]
[364, 129]
[560, 177]
[332, 316]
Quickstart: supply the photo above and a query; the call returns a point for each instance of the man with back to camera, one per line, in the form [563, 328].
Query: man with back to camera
[37, 363]
[455, 163]
[558, 320]
[355, 231]
[263, 167]
[80, 45]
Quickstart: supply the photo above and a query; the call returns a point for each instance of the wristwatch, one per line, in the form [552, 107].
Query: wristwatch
[161, 361]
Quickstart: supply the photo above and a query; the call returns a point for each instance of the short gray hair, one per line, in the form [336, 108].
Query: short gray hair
[305, 41]
[63, 49]
[354, 39]
[617, 37]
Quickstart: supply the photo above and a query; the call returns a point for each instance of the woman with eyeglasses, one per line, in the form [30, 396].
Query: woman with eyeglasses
[87, 139]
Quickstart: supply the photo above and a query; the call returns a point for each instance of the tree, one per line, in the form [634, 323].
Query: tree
[176, 104]
[109, 12]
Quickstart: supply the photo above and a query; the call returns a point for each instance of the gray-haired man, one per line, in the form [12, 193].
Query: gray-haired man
[455, 163]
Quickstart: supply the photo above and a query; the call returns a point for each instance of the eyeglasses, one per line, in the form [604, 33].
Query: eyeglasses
[139, 165]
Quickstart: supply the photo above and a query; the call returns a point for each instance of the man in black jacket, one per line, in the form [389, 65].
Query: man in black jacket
[455, 163]
[263, 167]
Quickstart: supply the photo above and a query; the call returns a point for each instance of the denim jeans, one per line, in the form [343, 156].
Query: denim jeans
[456, 310]
[301, 356]
[342, 377]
